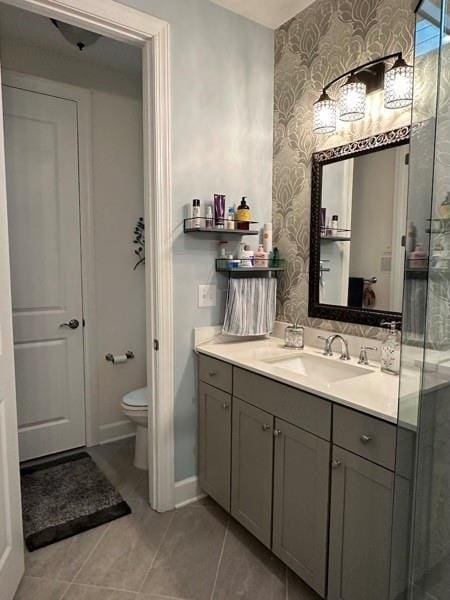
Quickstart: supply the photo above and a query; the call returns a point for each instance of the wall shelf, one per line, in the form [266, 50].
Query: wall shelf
[337, 235]
[189, 228]
[223, 266]
[335, 238]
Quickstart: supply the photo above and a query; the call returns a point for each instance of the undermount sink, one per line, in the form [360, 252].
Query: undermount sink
[324, 370]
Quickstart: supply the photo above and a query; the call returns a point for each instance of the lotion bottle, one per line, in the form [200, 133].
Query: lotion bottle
[267, 237]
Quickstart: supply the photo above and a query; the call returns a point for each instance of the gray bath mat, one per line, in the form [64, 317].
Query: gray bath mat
[64, 497]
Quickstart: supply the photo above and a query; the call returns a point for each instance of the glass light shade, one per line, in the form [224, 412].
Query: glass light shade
[81, 38]
[324, 118]
[398, 85]
[352, 101]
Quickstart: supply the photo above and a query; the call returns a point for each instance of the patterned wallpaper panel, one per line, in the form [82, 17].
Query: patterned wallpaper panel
[326, 39]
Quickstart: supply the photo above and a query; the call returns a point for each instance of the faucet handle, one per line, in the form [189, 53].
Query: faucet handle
[363, 360]
[327, 350]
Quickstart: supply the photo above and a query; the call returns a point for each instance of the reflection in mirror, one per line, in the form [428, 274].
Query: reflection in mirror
[363, 216]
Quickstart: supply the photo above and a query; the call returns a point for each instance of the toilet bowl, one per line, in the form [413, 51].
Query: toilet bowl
[135, 407]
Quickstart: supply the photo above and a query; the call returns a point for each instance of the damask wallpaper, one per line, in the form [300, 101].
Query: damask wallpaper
[326, 39]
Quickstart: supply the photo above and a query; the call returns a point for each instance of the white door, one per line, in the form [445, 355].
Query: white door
[11, 537]
[41, 147]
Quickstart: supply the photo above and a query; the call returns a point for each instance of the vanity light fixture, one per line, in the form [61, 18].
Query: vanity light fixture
[372, 76]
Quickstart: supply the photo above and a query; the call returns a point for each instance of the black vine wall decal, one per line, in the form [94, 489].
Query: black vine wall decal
[139, 240]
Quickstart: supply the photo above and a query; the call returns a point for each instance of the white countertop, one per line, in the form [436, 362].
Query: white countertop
[374, 393]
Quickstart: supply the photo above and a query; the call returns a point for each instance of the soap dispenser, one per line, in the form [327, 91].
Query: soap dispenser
[390, 349]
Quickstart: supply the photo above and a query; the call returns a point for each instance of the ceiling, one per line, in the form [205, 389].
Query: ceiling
[31, 29]
[271, 13]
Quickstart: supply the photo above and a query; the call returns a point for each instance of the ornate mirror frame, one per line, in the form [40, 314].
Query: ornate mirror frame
[362, 316]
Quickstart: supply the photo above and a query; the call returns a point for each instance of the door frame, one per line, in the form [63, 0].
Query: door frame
[114, 20]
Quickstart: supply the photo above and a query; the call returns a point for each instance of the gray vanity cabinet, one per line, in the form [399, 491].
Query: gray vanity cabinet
[252, 460]
[360, 528]
[215, 443]
[301, 497]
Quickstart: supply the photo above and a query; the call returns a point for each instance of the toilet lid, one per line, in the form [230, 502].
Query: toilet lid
[136, 397]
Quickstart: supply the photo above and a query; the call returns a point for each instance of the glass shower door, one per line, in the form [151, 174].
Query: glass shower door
[421, 533]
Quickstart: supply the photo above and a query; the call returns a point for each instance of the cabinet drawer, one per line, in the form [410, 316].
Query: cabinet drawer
[369, 437]
[309, 412]
[216, 373]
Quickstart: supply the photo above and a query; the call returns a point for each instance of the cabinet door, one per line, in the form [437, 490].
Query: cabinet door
[252, 458]
[360, 528]
[301, 500]
[215, 443]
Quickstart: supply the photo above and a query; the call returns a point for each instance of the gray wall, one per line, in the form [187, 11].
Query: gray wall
[222, 122]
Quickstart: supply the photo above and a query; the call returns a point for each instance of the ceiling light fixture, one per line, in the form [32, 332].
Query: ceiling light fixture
[398, 92]
[81, 38]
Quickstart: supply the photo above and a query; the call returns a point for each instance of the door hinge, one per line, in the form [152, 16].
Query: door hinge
[407, 159]
[84, 322]
[156, 345]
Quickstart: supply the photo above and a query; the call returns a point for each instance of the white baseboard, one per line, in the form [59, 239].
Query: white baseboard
[187, 491]
[116, 431]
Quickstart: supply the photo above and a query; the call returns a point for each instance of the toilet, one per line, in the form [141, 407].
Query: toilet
[135, 407]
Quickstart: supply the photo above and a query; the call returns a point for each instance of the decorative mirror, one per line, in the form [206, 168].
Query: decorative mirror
[358, 218]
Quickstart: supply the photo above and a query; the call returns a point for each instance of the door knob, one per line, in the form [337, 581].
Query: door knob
[72, 324]
[335, 464]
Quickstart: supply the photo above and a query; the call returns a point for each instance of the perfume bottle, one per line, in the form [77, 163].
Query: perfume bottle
[390, 349]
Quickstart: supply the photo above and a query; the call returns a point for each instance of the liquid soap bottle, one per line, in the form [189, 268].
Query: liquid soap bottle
[390, 349]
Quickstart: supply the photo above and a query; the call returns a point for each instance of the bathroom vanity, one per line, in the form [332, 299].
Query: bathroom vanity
[309, 474]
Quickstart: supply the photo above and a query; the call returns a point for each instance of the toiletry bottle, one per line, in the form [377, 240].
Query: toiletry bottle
[411, 237]
[196, 220]
[243, 215]
[335, 225]
[261, 257]
[274, 260]
[248, 257]
[223, 246]
[267, 237]
[390, 350]
[219, 210]
[323, 220]
[230, 218]
[419, 258]
[209, 217]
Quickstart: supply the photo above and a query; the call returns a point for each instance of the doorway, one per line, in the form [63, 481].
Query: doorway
[105, 201]
[119, 22]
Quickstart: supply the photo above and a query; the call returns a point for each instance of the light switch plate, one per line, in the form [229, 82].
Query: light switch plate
[207, 295]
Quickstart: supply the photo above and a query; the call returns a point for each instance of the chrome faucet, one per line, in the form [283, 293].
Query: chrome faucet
[328, 351]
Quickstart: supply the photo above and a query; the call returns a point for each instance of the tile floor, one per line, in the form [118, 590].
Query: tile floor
[193, 553]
